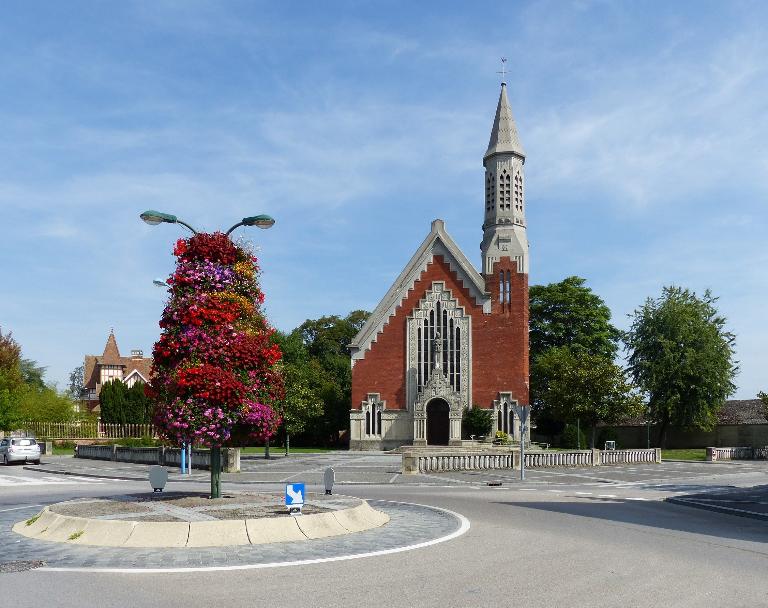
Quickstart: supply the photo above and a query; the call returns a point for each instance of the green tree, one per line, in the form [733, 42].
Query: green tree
[321, 346]
[11, 382]
[32, 373]
[138, 405]
[45, 404]
[113, 401]
[682, 357]
[565, 314]
[302, 407]
[570, 314]
[76, 383]
[591, 388]
[476, 421]
[10, 414]
[764, 398]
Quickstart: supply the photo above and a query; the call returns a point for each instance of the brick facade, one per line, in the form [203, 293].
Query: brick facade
[499, 341]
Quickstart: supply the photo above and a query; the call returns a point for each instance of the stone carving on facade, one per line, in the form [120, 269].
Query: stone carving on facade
[462, 321]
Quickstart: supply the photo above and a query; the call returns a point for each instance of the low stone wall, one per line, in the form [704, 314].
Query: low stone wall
[201, 459]
[441, 459]
[737, 453]
[423, 461]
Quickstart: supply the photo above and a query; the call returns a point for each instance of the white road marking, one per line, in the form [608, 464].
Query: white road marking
[19, 508]
[23, 480]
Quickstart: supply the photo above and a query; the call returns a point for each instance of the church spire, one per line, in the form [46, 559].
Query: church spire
[504, 137]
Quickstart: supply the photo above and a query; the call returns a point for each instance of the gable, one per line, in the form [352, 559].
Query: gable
[437, 243]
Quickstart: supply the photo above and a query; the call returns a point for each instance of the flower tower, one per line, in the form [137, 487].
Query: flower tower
[215, 377]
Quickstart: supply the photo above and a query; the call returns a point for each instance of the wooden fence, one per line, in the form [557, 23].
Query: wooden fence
[85, 430]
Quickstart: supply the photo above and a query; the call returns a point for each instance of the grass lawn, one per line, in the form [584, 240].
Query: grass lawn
[689, 454]
[281, 450]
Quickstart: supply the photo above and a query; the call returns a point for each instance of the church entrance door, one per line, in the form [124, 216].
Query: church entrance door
[438, 422]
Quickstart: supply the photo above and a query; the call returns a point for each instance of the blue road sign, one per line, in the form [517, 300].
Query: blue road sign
[294, 494]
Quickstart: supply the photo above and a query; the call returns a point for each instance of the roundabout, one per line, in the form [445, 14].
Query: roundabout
[184, 519]
[404, 527]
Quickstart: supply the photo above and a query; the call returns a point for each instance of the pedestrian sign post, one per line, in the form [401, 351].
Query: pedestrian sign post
[294, 497]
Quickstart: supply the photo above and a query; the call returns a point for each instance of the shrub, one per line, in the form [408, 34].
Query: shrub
[476, 421]
[569, 438]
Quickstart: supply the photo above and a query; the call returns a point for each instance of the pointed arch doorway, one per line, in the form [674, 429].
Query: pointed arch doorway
[438, 422]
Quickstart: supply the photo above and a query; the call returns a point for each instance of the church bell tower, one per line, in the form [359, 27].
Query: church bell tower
[504, 232]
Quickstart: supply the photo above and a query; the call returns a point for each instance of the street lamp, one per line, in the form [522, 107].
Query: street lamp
[154, 218]
[260, 221]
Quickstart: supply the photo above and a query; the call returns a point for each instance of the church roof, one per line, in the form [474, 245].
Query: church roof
[437, 242]
[504, 137]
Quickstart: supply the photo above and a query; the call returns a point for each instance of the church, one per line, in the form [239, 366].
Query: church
[446, 337]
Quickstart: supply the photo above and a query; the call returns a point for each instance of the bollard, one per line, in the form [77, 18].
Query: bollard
[329, 478]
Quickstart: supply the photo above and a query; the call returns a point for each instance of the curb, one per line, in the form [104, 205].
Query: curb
[705, 506]
[74, 530]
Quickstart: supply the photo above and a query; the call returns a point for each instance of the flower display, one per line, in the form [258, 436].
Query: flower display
[215, 375]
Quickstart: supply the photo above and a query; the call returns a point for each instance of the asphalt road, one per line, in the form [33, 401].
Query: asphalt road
[577, 537]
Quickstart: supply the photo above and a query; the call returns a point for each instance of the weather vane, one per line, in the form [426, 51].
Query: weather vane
[503, 70]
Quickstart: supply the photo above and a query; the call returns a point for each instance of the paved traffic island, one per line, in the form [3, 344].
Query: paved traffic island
[188, 519]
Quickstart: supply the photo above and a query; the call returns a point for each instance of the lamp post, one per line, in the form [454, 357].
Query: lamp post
[154, 218]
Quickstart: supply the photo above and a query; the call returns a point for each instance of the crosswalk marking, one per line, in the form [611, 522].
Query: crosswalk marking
[24, 480]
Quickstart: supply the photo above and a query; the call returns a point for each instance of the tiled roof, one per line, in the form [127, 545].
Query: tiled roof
[112, 356]
[735, 411]
[743, 411]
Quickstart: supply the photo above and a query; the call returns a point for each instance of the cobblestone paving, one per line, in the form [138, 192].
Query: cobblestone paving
[409, 524]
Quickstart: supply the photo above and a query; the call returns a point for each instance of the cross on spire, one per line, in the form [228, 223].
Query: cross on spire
[503, 70]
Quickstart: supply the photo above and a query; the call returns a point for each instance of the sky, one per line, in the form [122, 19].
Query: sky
[355, 124]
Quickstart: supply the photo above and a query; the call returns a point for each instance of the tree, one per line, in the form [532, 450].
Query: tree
[569, 314]
[565, 314]
[321, 345]
[113, 402]
[11, 382]
[215, 376]
[764, 398]
[588, 387]
[45, 405]
[682, 357]
[301, 406]
[76, 383]
[32, 373]
[138, 405]
[476, 421]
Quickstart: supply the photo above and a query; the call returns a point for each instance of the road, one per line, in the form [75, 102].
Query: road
[576, 537]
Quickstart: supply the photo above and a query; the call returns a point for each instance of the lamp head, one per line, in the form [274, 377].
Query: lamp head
[262, 221]
[153, 218]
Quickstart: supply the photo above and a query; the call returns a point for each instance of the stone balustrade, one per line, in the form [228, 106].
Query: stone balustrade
[652, 455]
[441, 459]
[538, 460]
[737, 453]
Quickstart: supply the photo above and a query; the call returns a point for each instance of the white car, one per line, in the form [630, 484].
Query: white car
[15, 449]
